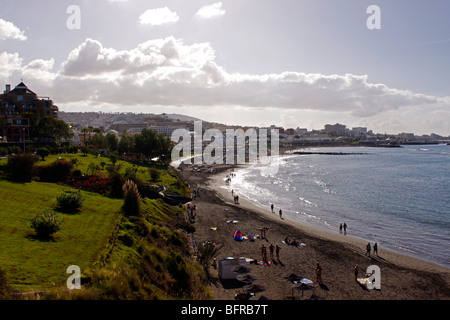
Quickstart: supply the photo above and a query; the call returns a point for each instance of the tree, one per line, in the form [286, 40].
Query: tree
[126, 144]
[83, 132]
[42, 152]
[84, 151]
[54, 128]
[99, 141]
[111, 141]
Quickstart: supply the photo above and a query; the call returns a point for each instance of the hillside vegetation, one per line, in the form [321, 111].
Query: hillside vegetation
[121, 256]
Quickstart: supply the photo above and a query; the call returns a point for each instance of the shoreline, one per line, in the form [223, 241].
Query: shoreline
[337, 253]
[355, 241]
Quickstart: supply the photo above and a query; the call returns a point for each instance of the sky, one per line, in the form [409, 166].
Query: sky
[290, 63]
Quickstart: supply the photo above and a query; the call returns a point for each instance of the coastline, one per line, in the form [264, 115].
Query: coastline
[336, 253]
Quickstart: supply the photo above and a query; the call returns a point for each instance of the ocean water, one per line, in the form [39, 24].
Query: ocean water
[398, 197]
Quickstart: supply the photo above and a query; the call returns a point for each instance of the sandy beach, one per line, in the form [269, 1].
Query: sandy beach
[402, 277]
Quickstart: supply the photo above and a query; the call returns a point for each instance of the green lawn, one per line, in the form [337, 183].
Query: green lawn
[31, 264]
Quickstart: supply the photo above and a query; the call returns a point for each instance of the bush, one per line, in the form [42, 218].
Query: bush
[20, 167]
[69, 201]
[58, 171]
[42, 152]
[176, 266]
[117, 181]
[132, 199]
[46, 224]
[98, 182]
[154, 174]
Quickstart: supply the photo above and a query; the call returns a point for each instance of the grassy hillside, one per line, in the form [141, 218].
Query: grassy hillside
[120, 257]
[31, 264]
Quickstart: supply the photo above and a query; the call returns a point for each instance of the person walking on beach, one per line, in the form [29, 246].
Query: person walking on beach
[318, 273]
[375, 249]
[280, 213]
[345, 228]
[340, 228]
[271, 207]
[264, 253]
[277, 251]
[368, 249]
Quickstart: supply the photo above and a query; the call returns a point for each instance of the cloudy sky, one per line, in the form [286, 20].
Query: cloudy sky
[294, 63]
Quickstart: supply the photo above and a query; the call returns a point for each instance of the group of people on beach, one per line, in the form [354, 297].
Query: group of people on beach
[271, 249]
[343, 227]
[368, 249]
[280, 212]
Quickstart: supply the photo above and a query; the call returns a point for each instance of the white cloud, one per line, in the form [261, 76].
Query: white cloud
[168, 73]
[9, 31]
[211, 11]
[9, 62]
[159, 16]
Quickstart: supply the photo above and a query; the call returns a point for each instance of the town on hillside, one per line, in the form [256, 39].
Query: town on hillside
[29, 119]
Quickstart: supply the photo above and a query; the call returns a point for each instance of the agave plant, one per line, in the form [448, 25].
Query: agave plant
[132, 199]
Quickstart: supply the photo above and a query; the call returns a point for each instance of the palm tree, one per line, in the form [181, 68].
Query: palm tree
[207, 252]
[83, 131]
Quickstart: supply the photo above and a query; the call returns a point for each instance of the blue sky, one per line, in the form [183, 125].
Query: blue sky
[249, 62]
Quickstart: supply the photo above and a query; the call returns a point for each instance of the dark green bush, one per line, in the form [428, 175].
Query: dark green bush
[46, 224]
[58, 171]
[20, 167]
[176, 266]
[69, 201]
[154, 174]
[42, 152]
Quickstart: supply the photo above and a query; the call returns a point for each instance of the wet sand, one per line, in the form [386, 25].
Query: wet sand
[402, 277]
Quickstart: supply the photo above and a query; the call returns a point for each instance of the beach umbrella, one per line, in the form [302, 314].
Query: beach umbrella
[292, 276]
[254, 288]
[237, 235]
[246, 278]
[302, 287]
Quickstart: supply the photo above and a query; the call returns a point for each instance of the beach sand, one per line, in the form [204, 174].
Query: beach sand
[402, 277]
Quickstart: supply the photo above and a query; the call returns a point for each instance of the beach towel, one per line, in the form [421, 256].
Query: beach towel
[301, 244]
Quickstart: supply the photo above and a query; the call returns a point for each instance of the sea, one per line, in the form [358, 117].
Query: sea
[397, 197]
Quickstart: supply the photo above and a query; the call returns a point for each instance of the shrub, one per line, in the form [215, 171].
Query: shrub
[176, 266]
[58, 171]
[154, 174]
[46, 224]
[117, 181]
[76, 174]
[42, 152]
[69, 201]
[132, 199]
[98, 182]
[20, 167]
